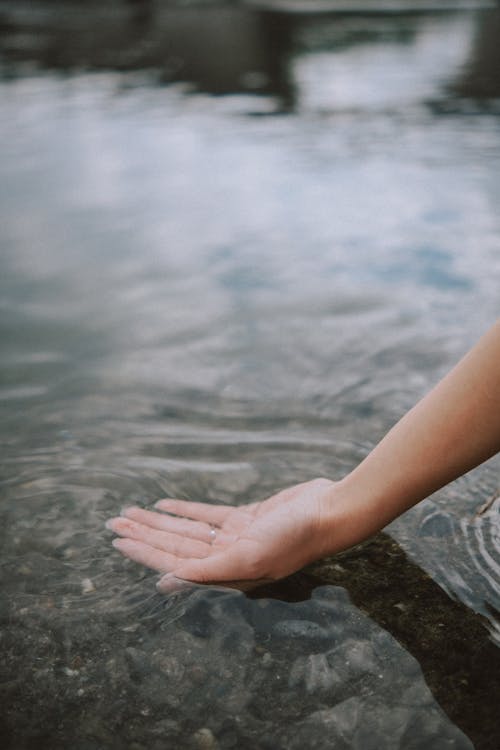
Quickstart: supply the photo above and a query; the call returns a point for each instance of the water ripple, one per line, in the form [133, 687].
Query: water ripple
[462, 553]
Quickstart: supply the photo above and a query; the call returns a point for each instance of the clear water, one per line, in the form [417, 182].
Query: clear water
[215, 297]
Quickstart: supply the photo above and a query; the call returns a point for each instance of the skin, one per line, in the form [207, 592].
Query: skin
[451, 430]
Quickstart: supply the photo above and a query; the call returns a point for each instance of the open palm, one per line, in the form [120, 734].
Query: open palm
[238, 546]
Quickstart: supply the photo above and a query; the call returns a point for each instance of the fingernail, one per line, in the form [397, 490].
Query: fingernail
[126, 508]
[109, 524]
[170, 583]
[117, 543]
[164, 581]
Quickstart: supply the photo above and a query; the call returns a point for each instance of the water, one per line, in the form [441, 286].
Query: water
[215, 297]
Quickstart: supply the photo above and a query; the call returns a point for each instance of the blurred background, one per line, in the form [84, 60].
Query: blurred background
[238, 240]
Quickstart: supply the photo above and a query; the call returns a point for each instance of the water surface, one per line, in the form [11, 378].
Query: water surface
[215, 297]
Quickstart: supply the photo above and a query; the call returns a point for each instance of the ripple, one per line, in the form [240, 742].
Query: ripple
[34, 358]
[463, 554]
[22, 392]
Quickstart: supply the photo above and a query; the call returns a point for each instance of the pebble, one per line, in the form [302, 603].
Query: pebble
[138, 662]
[204, 739]
[171, 667]
[87, 586]
[267, 659]
[130, 628]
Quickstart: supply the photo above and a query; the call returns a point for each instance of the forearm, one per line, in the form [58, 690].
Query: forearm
[451, 430]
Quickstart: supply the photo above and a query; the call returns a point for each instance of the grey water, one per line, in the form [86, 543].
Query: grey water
[236, 245]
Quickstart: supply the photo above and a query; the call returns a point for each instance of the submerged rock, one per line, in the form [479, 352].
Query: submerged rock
[226, 672]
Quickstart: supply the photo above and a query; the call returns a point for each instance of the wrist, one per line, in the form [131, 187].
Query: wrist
[349, 516]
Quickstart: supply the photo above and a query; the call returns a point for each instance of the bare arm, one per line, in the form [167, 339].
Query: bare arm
[454, 428]
[451, 430]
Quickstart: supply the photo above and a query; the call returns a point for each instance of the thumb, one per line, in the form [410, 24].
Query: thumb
[229, 565]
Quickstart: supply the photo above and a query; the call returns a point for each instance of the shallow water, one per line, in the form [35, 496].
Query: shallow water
[213, 298]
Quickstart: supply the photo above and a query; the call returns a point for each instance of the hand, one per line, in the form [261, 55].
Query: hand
[241, 547]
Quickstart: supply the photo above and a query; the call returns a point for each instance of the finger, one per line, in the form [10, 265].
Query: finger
[163, 540]
[182, 526]
[142, 553]
[214, 514]
[170, 583]
[235, 563]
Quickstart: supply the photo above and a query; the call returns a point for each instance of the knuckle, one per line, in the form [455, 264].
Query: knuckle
[125, 524]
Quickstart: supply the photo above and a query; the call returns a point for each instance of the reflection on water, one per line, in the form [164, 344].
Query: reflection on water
[203, 303]
[257, 48]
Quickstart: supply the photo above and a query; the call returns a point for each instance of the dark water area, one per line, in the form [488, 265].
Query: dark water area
[236, 244]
